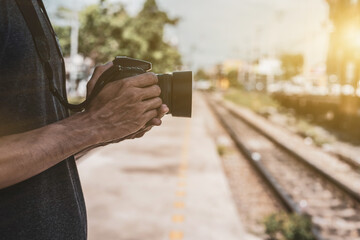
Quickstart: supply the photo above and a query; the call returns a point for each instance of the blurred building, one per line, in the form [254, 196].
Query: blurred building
[83, 68]
[260, 74]
[232, 64]
[226, 74]
[343, 62]
[344, 48]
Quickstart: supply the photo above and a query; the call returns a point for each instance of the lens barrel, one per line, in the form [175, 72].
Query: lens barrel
[176, 88]
[176, 92]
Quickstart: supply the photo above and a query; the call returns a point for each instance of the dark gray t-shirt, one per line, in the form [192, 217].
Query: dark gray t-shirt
[49, 205]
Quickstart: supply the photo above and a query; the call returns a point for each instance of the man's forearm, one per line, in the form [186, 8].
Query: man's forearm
[121, 108]
[27, 154]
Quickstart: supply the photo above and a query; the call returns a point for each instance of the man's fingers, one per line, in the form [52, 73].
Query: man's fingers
[150, 115]
[144, 130]
[152, 103]
[142, 80]
[150, 92]
[163, 110]
[139, 133]
[155, 122]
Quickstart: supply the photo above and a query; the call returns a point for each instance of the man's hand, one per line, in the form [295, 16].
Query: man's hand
[123, 109]
[129, 106]
[154, 122]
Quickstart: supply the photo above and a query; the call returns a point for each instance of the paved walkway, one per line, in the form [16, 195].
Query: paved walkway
[168, 185]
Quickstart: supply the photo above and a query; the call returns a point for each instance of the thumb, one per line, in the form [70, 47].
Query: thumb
[96, 75]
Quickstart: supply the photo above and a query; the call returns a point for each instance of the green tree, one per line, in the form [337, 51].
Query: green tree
[292, 65]
[107, 30]
[201, 75]
[101, 31]
[146, 33]
[64, 38]
[232, 76]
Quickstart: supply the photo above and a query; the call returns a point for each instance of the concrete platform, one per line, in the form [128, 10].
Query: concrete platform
[167, 185]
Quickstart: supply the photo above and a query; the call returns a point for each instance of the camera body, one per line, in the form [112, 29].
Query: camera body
[176, 87]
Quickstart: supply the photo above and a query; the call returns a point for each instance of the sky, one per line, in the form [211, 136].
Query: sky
[211, 31]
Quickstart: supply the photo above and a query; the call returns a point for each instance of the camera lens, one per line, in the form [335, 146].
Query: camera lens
[176, 92]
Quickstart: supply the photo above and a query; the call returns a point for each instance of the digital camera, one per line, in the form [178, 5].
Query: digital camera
[176, 87]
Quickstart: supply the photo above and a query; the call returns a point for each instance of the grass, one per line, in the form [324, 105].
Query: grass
[258, 102]
[318, 136]
[282, 226]
[222, 150]
[265, 105]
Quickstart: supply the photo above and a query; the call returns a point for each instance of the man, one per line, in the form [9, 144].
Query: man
[40, 192]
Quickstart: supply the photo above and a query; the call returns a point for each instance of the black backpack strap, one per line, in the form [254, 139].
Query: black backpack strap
[28, 11]
[32, 21]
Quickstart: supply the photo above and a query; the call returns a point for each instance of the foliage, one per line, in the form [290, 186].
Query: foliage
[64, 38]
[313, 133]
[107, 30]
[264, 105]
[292, 65]
[232, 76]
[221, 149]
[201, 75]
[147, 28]
[272, 226]
[289, 227]
[256, 101]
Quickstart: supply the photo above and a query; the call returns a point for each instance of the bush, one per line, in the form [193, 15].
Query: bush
[290, 227]
[256, 101]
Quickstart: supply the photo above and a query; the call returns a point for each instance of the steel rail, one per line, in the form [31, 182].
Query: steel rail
[342, 186]
[283, 196]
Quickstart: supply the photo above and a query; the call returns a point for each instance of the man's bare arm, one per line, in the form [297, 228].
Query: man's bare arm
[28, 154]
[154, 122]
[122, 108]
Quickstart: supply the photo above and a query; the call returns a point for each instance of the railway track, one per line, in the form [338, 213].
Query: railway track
[303, 188]
[251, 194]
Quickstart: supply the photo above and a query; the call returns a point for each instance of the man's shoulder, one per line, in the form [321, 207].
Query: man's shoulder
[5, 9]
[12, 27]
[9, 14]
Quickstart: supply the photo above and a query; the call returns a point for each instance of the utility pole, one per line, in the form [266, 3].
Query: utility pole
[74, 23]
[71, 18]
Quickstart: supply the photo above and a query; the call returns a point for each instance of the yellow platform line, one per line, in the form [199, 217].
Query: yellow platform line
[182, 184]
[182, 174]
[178, 218]
[179, 204]
[181, 193]
[176, 235]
